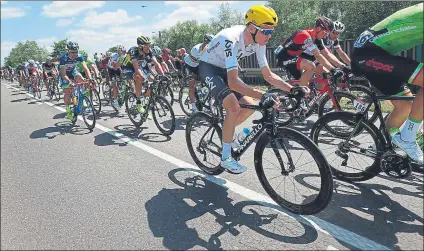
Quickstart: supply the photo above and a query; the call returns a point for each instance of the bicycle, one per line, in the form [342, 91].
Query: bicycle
[81, 104]
[53, 90]
[151, 101]
[34, 84]
[332, 91]
[268, 131]
[383, 156]
[124, 87]
[203, 98]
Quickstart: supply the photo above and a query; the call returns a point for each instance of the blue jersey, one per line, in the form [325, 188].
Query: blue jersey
[68, 63]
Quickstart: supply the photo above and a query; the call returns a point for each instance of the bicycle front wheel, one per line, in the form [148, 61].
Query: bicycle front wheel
[163, 110]
[95, 100]
[88, 114]
[290, 157]
[356, 159]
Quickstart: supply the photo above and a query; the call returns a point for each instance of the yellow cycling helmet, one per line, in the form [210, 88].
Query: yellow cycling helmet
[261, 15]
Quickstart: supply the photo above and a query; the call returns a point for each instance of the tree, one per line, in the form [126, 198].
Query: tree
[113, 49]
[293, 15]
[182, 35]
[59, 48]
[24, 51]
[360, 15]
[226, 18]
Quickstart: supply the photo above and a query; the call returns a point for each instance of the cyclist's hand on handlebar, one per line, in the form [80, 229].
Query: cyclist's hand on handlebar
[269, 100]
[301, 91]
[337, 72]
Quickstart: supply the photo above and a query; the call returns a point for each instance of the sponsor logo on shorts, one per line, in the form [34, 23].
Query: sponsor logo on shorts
[379, 66]
[209, 82]
[291, 61]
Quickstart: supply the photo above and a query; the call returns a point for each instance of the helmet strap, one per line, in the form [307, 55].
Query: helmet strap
[254, 35]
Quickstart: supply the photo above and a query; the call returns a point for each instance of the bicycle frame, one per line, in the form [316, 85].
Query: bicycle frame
[327, 89]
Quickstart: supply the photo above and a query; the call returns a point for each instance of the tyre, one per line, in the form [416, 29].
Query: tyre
[184, 100]
[312, 206]
[209, 146]
[338, 151]
[161, 108]
[88, 114]
[132, 112]
[95, 100]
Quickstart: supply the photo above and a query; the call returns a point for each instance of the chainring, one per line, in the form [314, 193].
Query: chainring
[395, 165]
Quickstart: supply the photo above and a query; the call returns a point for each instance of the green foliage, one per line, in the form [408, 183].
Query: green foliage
[113, 49]
[356, 15]
[182, 35]
[226, 18]
[59, 47]
[189, 33]
[24, 51]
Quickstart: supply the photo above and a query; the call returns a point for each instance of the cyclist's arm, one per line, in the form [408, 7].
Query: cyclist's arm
[322, 59]
[157, 66]
[137, 68]
[331, 58]
[234, 81]
[343, 55]
[268, 75]
[86, 70]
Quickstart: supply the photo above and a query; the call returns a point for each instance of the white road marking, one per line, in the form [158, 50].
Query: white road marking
[341, 234]
[331, 248]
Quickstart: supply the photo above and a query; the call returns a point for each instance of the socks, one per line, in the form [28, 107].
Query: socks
[226, 150]
[410, 129]
[393, 131]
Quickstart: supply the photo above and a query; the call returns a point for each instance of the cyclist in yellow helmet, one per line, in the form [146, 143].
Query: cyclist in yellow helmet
[218, 67]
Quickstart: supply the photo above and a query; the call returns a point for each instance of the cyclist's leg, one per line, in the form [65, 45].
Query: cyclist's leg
[245, 113]
[214, 78]
[308, 68]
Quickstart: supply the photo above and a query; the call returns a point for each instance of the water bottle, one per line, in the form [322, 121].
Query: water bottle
[74, 99]
[240, 137]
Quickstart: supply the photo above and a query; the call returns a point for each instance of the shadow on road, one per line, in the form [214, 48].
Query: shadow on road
[182, 217]
[60, 128]
[20, 100]
[367, 210]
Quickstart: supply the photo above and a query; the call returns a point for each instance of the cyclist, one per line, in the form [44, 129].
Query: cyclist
[135, 66]
[114, 70]
[291, 56]
[327, 46]
[218, 67]
[49, 70]
[69, 71]
[166, 55]
[374, 56]
[31, 69]
[191, 62]
[157, 53]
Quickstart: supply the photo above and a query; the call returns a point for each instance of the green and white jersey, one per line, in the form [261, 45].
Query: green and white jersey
[398, 32]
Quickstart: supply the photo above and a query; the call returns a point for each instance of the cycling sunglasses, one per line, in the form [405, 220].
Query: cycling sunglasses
[266, 32]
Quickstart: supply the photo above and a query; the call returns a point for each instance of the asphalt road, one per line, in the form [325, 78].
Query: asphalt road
[119, 187]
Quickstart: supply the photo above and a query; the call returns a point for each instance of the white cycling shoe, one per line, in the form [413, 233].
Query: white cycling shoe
[411, 148]
[232, 166]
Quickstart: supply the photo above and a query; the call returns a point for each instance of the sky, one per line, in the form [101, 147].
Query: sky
[98, 25]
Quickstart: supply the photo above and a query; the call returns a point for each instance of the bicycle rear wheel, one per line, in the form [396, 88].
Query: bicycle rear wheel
[184, 100]
[314, 168]
[203, 138]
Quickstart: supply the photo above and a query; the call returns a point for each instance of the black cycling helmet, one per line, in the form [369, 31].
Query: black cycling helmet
[72, 46]
[142, 40]
[325, 23]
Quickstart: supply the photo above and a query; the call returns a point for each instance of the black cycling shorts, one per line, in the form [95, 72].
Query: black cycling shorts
[389, 74]
[112, 72]
[216, 80]
[292, 63]
[192, 72]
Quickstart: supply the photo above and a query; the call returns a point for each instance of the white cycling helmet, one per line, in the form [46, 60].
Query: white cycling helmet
[31, 61]
[338, 27]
